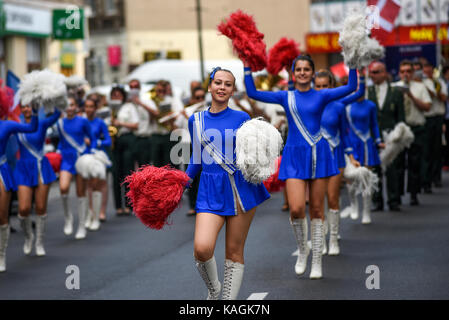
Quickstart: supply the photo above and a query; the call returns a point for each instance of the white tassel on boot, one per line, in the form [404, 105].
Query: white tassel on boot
[209, 274]
[68, 217]
[25, 223]
[82, 211]
[40, 232]
[4, 237]
[366, 215]
[96, 207]
[300, 231]
[317, 248]
[334, 221]
[233, 275]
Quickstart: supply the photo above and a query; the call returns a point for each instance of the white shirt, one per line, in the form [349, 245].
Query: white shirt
[381, 93]
[438, 107]
[174, 104]
[127, 114]
[413, 115]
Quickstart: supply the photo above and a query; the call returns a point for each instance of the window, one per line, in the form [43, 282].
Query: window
[110, 7]
[33, 54]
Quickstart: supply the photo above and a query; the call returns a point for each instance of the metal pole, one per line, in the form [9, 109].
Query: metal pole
[200, 38]
[438, 45]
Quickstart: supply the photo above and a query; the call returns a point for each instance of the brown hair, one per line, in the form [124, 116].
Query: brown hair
[324, 73]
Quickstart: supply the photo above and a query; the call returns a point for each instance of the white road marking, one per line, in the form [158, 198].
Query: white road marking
[296, 253]
[257, 296]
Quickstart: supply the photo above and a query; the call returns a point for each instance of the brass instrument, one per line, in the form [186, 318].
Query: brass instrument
[113, 130]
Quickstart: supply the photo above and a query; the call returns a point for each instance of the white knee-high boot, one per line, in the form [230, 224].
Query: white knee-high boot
[40, 232]
[301, 234]
[96, 207]
[334, 222]
[233, 275]
[25, 223]
[366, 214]
[68, 217]
[325, 224]
[354, 205]
[209, 274]
[82, 211]
[4, 237]
[317, 248]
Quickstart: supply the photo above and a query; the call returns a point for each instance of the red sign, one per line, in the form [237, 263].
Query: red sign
[322, 42]
[115, 56]
[328, 42]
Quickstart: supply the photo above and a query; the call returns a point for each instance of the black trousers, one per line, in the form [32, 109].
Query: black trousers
[123, 161]
[393, 181]
[432, 151]
[143, 151]
[446, 147]
[415, 160]
[161, 147]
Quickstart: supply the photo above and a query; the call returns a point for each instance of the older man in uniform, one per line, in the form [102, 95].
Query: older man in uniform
[390, 111]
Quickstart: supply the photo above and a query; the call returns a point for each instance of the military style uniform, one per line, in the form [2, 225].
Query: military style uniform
[390, 111]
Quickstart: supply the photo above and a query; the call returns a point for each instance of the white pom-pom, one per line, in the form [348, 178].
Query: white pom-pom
[352, 35]
[43, 87]
[89, 166]
[258, 145]
[358, 49]
[82, 165]
[362, 180]
[75, 81]
[395, 142]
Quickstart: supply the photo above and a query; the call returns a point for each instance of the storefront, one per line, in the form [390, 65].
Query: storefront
[36, 36]
[405, 42]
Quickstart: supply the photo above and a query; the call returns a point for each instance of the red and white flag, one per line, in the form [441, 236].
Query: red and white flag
[388, 11]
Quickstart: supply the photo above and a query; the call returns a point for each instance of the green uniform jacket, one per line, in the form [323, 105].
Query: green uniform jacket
[393, 108]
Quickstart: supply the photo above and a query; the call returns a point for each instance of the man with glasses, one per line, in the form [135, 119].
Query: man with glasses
[390, 111]
[416, 101]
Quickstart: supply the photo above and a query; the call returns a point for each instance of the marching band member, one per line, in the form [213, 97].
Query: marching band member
[224, 196]
[34, 175]
[7, 182]
[100, 132]
[334, 128]
[73, 130]
[306, 158]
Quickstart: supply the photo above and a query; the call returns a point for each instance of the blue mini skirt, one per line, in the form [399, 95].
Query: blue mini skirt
[26, 172]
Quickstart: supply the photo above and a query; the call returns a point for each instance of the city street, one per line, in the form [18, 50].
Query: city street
[125, 260]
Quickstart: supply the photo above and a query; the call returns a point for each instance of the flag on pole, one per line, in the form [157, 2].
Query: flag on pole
[388, 11]
[13, 82]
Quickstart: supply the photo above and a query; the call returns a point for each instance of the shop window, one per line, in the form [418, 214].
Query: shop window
[34, 60]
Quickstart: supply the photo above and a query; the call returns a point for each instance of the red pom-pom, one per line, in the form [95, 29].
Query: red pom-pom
[247, 41]
[155, 193]
[55, 160]
[282, 55]
[6, 99]
[273, 184]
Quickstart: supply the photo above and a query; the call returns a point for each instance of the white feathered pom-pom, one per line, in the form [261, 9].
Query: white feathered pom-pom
[75, 81]
[395, 142]
[43, 88]
[358, 49]
[258, 145]
[352, 35]
[362, 180]
[93, 165]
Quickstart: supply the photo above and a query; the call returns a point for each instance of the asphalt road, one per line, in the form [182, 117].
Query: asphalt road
[125, 260]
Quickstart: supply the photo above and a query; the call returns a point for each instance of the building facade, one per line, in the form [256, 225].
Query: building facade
[33, 36]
